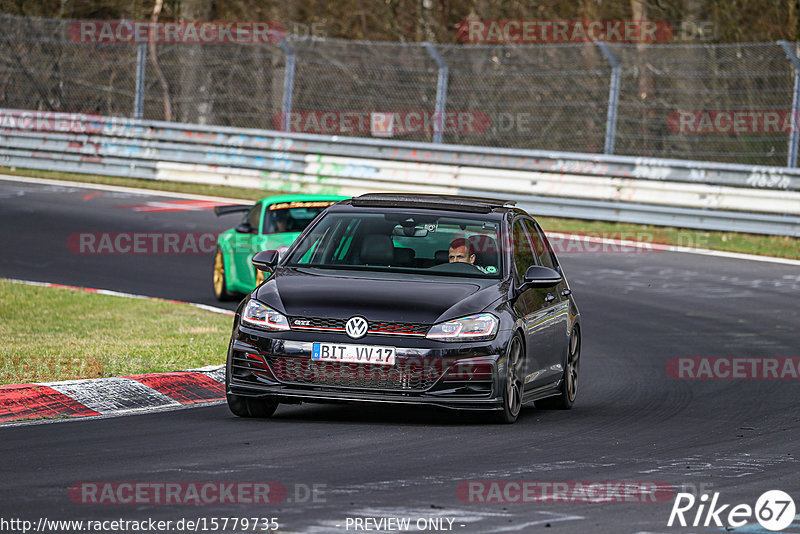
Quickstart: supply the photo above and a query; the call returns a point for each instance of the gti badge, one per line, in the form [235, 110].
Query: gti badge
[356, 327]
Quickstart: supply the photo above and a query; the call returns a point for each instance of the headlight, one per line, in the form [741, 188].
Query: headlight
[473, 328]
[264, 317]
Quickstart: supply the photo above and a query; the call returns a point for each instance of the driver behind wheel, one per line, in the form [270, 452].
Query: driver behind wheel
[461, 252]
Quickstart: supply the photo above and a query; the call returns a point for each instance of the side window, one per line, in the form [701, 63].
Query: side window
[540, 244]
[254, 217]
[268, 225]
[523, 251]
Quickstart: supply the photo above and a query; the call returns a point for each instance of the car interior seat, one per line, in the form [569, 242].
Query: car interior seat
[377, 249]
[485, 249]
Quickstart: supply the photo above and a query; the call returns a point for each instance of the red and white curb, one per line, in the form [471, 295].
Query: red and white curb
[115, 395]
[111, 396]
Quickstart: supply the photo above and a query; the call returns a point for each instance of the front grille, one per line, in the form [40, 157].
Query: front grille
[318, 323]
[375, 327]
[398, 328]
[404, 376]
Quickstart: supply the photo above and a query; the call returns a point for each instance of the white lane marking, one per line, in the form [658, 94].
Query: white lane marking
[118, 294]
[173, 206]
[553, 235]
[120, 189]
[106, 395]
[658, 247]
[554, 518]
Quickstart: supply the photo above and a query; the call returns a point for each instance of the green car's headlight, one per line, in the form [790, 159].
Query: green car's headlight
[478, 327]
[262, 316]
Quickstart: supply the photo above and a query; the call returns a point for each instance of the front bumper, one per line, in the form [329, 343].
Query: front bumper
[462, 376]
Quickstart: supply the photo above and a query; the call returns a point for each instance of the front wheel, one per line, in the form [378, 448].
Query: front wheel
[219, 280]
[251, 406]
[512, 392]
[569, 384]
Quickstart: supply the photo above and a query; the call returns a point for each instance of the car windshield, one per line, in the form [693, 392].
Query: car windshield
[292, 216]
[402, 241]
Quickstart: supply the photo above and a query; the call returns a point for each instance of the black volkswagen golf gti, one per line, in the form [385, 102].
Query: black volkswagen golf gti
[445, 301]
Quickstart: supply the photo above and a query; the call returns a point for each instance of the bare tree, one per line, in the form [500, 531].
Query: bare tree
[196, 84]
[157, 67]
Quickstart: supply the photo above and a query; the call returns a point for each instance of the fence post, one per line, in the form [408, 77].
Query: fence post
[441, 91]
[613, 96]
[794, 136]
[141, 63]
[288, 84]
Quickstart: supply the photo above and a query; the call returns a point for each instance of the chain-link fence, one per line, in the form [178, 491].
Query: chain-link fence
[732, 102]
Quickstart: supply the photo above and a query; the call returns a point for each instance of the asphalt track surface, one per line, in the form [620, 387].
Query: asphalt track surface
[631, 422]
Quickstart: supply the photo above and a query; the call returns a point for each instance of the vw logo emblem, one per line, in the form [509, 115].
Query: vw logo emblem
[356, 327]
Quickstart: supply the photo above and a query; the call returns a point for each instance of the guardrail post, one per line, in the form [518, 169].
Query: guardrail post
[288, 84]
[141, 63]
[794, 136]
[613, 96]
[441, 91]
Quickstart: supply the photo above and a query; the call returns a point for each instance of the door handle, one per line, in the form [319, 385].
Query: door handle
[550, 297]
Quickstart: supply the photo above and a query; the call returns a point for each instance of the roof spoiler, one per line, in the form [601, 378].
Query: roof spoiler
[235, 208]
[446, 202]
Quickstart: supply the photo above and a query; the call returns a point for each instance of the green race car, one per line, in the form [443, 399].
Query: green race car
[272, 223]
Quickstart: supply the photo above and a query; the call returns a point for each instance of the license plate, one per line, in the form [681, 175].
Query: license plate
[335, 352]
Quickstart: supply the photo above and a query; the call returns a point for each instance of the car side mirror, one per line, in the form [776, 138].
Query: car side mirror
[243, 228]
[538, 276]
[266, 260]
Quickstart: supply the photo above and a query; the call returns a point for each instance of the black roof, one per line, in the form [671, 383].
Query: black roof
[446, 202]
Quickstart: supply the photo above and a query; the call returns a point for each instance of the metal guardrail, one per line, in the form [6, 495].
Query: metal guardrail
[713, 196]
[685, 99]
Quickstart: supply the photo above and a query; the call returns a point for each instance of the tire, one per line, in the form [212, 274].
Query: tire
[514, 382]
[219, 280]
[569, 384]
[251, 406]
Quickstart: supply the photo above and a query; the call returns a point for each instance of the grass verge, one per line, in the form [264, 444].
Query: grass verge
[52, 334]
[778, 246]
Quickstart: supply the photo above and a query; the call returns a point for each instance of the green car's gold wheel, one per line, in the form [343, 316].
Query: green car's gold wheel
[219, 280]
[259, 277]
